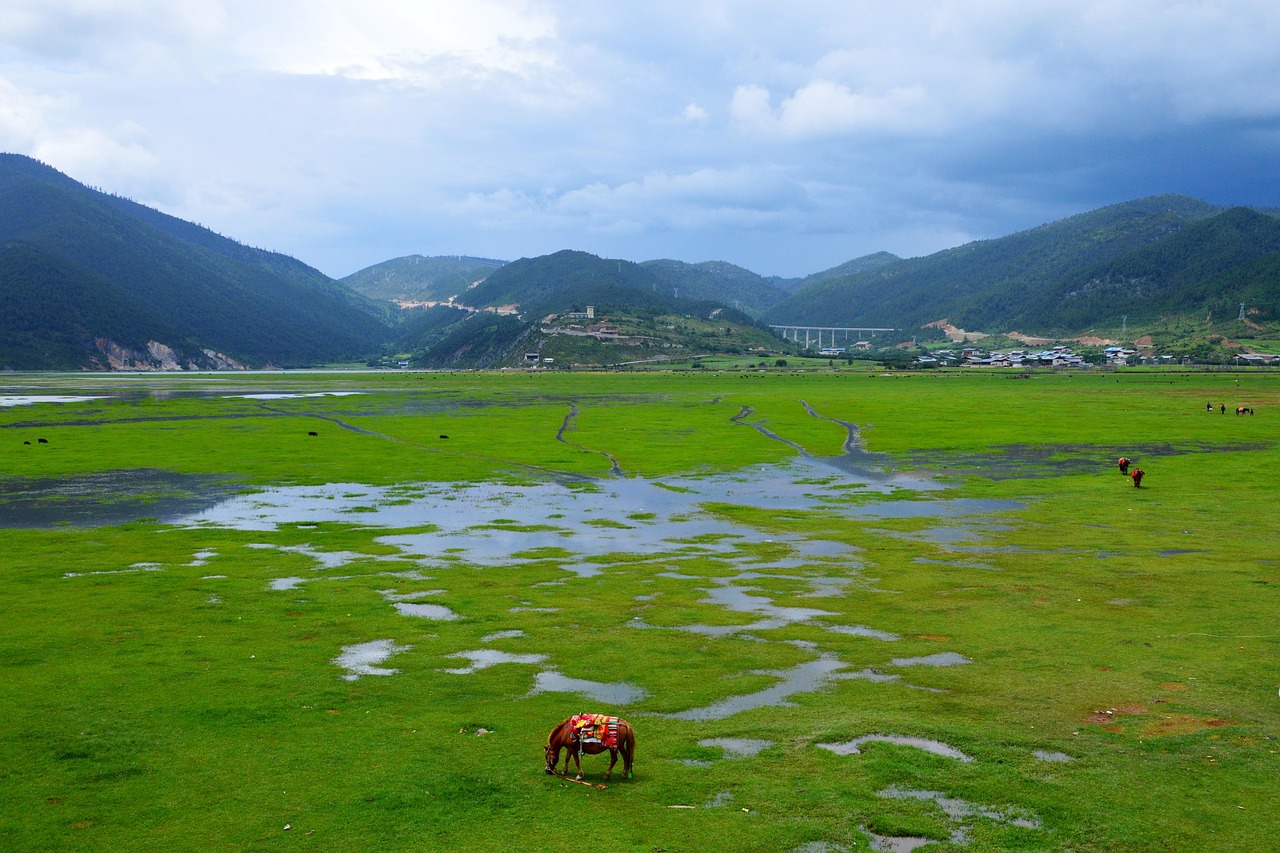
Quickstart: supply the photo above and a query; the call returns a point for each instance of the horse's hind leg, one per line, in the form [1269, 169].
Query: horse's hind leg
[613, 759]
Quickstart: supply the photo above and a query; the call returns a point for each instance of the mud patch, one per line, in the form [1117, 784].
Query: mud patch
[1108, 715]
[1182, 724]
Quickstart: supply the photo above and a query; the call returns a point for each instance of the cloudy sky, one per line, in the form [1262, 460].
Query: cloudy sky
[786, 137]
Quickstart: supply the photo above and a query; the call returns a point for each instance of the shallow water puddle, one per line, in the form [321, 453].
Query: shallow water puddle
[940, 659]
[363, 658]
[907, 843]
[131, 570]
[327, 559]
[485, 658]
[806, 677]
[935, 747]
[864, 631]
[291, 396]
[9, 400]
[106, 498]
[737, 747]
[612, 693]
[502, 635]
[718, 800]
[437, 612]
[548, 680]
[958, 810]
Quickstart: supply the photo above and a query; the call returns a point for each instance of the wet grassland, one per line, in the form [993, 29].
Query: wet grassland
[843, 611]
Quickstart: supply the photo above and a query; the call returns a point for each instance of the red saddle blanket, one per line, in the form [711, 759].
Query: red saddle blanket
[587, 727]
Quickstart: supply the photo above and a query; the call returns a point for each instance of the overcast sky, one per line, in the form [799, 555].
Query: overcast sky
[786, 137]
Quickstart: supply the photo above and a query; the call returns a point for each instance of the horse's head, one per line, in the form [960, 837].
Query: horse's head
[553, 755]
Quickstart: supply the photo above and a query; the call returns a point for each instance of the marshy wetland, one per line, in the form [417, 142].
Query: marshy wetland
[842, 610]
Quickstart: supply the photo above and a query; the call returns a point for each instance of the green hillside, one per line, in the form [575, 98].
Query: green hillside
[560, 281]
[91, 280]
[418, 279]
[717, 281]
[83, 267]
[986, 284]
[848, 268]
[1208, 268]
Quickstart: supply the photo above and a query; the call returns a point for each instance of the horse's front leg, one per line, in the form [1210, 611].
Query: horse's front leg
[613, 759]
[577, 761]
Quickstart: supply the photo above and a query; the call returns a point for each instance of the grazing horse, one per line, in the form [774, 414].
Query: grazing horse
[566, 736]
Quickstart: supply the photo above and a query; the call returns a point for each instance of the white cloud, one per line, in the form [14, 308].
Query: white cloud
[402, 40]
[824, 108]
[21, 117]
[782, 133]
[695, 113]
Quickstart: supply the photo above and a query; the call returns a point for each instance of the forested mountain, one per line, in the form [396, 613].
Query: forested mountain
[1208, 268]
[555, 283]
[418, 279]
[717, 281]
[848, 268]
[991, 284]
[97, 281]
[93, 280]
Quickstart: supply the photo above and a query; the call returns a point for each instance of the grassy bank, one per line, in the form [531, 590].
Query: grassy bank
[1101, 660]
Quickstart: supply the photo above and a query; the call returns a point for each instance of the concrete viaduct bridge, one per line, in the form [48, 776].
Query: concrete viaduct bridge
[816, 337]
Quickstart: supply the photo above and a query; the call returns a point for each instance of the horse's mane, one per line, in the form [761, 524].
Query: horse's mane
[559, 729]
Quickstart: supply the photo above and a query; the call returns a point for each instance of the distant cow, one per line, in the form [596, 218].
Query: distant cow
[442, 435]
[313, 432]
[42, 440]
[26, 442]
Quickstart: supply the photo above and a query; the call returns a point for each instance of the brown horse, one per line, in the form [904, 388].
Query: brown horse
[564, 737]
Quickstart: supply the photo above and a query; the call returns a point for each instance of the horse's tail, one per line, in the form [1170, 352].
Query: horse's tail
[629, 754]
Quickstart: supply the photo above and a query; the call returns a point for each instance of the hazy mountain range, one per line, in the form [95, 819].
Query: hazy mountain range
[91, 280]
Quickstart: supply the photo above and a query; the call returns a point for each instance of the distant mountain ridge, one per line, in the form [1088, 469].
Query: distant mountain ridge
[93, 280]
[415, 278]
[1140, 259]
[90, 280]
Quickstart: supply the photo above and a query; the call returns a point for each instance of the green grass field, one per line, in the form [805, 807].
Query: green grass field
[221, 632]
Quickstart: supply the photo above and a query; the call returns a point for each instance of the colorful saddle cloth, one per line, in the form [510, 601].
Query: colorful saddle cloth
[595, 728]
